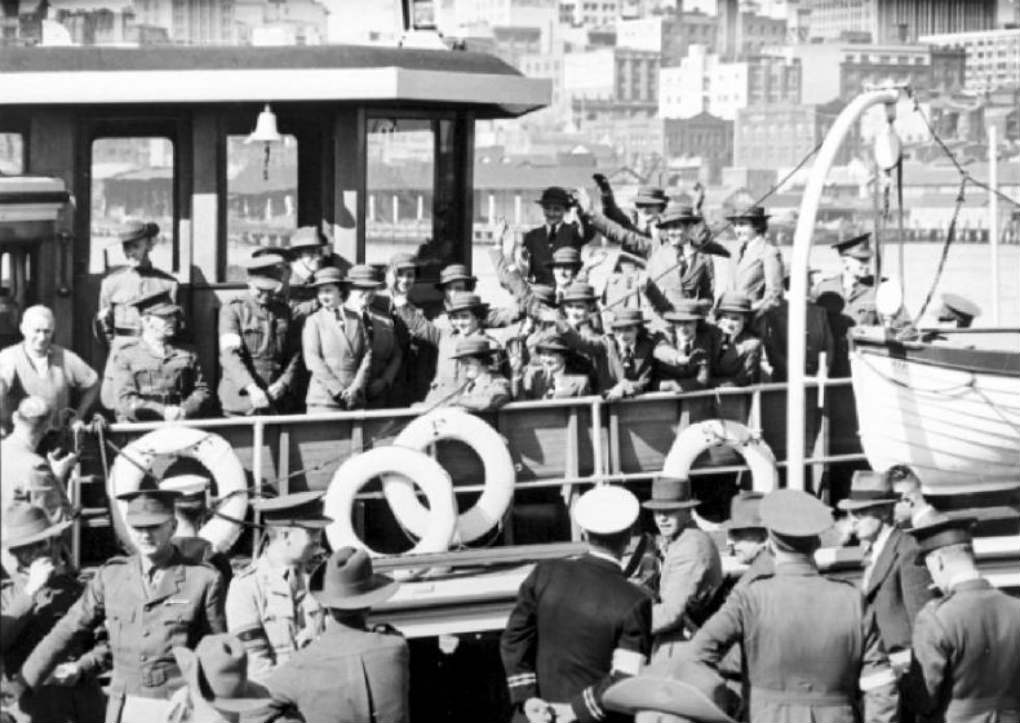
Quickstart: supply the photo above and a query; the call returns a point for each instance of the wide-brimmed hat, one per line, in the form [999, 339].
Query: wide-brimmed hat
[670, 493]
[265, 268]
[136, 231]
[755, 213]
[565, 256]
[858, 247]
[26, 524]
[364, 276]
[403, 260]
[346, 581]
[307, 237]
[544, 294]
[555, 195]
[464, 301]
[679, 215]
[956, 308]
[868, 489]
[650, 196]
[685, 310]
[606, 510]
[745, 512]
[735, 302]
[455, 272]
[158, 303]
[216, 671]
[149, 506]
[942, 531]
[476, 346]
[553, 342]
[627, 317]
[298, 509]
[578, 291]
[328, 275]
[793, 513]
[688, 689]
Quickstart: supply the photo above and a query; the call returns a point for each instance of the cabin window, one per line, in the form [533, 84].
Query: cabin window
[262, 198]
[132, 180]
[12, 154]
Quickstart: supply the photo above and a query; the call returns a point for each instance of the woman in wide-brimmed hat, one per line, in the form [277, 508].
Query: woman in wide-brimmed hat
[738, 361]
[759, 271]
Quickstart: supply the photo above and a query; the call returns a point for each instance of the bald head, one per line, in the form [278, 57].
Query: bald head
[37, 325]
[32, 417]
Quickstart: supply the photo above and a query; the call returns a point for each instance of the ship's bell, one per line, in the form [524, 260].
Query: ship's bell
[265, 128]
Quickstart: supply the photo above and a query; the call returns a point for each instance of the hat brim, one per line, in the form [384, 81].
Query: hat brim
[557, 348]
[650, 201]
[147, 519]
[729, 526]
[679, 221]
[382, 588]
[627, 323]
[577, 299]
[258, 695]
[471, 307]
[663, 695]
[852, 504]
[670, 504]
[734, 309]
[554, 263]
[364, 284]
[340, 283]
[748, 217]
[266, 283]
[447, 282]
[676, 316]
[476, 354]
[162, 310]
[859, 255]
[44, 534]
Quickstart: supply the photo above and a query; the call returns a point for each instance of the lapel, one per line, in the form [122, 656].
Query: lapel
[170, 584]
[884, 563]
[693, 267]
[330, 321]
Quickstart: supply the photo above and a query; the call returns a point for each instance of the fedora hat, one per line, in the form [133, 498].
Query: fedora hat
[793, 513]
[306, 237]
[476, 346]
[745, 512]
[298, 509]
[650, 196]
[345, 581]
[555, 195]
[455, 272]
[605, 510]
[755, 213]
[578, 291]
[328, 275]
[26, 524]
[464, 301]
[216, 671]
[565, 256]
[736, 302]
[364, 276]
[868, 489]
[677, 215]
[687, 689]
[685, 310]
[623, 318]
[670, 493]
[136, 231]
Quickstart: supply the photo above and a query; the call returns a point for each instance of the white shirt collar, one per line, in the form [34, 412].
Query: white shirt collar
[880, 542]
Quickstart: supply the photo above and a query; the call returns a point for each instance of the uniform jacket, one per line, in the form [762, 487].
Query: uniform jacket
[336, 357]
[966, 663]
[345, 675]
[763, 565]
[27, 476]
[536, 241]
[776, 336]
[690, 578]
[483, 395]
[897, 590]
[121, 287]
[146, 382]
[143, 627]
[707, 340]
[604, 351]
[258, 345]
[738, 362]
[389, 339]
[578, 625]
[449, 374]
[534, 383]
[845, 311]
[264, 613]
[418, 366]
[759, 274]
[65, 376]
[808, 647]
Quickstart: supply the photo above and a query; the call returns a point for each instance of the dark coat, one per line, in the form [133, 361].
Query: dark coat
[966, 662]
[577, 627]
[540, 251]
[845, 311]
[897, 590]
[738, 362]
[604, 351]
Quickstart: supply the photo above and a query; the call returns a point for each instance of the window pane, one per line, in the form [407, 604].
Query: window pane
[12, 154]
[132, 180]
[261, 198]
[399, 182]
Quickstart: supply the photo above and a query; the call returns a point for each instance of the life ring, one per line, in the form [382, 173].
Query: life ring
[211, 450]
[411, 464]
[696, 438]
[486, 442]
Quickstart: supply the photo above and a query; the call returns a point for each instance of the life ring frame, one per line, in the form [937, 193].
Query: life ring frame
[211, 450]
[698, 437]
[410, 464]
[487, 443]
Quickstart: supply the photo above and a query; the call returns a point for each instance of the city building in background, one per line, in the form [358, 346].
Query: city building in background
[992, 56]
[899, 21]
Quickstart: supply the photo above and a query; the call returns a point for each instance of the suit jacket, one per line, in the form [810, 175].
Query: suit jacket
[604, 352]
[738, 362]
[687, 374]
[897, 590]
[536, 384]
[540, 251]
[345, 675]
[483, 395]
[337, 359]
[691, 577]
[796, 675]
[577, 627]
[759, 274]
[966, 665]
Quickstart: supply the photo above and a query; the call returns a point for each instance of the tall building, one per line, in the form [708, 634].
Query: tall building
[704, 135]
[780, 135]
[899, 21]
[992, 56]
[743, 34]
[190, 22]
[657, 34]
[611, 83]
[590, 13]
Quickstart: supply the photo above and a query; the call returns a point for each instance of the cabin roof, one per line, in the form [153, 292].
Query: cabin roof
[35, 76]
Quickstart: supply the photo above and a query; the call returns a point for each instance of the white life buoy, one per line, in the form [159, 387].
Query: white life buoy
[696, 438]
[486, 442]
[411, 464]
[211, 450]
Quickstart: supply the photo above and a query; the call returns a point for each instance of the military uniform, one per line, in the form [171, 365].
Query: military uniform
[27, 476]
[258, 345]
[146, 381]
[144, 624]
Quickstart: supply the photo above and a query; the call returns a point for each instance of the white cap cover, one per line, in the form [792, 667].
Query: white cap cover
[606, 509]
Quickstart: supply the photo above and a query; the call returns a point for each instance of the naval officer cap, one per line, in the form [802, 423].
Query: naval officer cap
[942, 531]
[149, 506]
[792, 513]
[858, 247]
[300, 509]
[606, 510]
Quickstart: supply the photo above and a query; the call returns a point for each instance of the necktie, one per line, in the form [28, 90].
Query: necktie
[552, 235]
[628, 361]
[682, 264]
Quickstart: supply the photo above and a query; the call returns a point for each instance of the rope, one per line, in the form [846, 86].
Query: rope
[953, 391]
[899, 226]
[950, 235]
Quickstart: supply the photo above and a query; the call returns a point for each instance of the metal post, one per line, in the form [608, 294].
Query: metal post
[993, 218]
[258, 440]
[798, 276]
